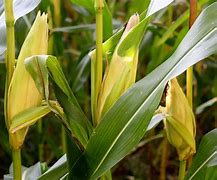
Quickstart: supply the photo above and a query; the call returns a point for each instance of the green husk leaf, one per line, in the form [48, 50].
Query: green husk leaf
[28, 117]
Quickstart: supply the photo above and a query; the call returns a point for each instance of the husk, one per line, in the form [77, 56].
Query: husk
[23, 93]
[120, 74]
[178, 107]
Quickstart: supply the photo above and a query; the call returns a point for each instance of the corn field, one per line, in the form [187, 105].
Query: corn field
[96, 89]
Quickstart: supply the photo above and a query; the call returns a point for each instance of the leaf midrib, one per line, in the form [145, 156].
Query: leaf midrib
[203, 164]
[164, 79]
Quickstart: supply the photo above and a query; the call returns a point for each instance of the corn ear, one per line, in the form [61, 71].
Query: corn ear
[120, 74]
[23, 93]
[180, 125]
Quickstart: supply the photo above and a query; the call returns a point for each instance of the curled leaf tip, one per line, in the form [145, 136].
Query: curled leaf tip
[133, 21]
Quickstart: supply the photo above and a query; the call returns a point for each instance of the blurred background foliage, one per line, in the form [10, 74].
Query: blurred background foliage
[72, 36]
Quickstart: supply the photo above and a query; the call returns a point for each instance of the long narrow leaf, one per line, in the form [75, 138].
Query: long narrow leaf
[125, 123]
[182, 19]
[39, 74]
[205, 158]
[21, 8]
[58, 170]
[156, 5]
[40, 67]
[126, 48]
[203, 106]
[111, 43]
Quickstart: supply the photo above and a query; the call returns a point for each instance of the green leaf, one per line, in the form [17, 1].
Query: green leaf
[110, 45]
[88, 4]
[28, 117]
[78, 122]
[57, 75]
[182, 19]
[73, 153]
[77, 28]
[156, 5]
[171, 30]
[125, 123]
[131, 42]
[81, 73]
[107, 22]
[59, 78]
[204, 165]
[126, 48]
[107, 18]
[138, 6]
[40, 67]
[21, 8]
[60, 168]
[211, 173]
[39, 74]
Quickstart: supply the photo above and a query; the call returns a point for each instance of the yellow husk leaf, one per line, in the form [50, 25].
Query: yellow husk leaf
[178, 107]
[23, 93]
[119, 76]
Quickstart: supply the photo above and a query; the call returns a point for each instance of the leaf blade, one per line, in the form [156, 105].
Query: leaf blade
[205, 158]
[21, 8]
[73, 117]
[104, 149]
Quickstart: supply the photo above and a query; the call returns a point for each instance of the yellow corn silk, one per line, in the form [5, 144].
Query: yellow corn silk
[179, 109]
[120, 74]
[22, 93]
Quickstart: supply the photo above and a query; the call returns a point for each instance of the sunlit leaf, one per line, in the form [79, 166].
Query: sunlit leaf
[126, 122]
[156, 5]
[21, 8]
[58, 170]
[156, 119]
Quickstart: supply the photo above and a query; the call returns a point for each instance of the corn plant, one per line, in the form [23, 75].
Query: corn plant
[121, 108]
[18, 79]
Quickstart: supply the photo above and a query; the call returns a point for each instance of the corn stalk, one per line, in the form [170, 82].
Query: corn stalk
[10, 63]
[97, 68]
